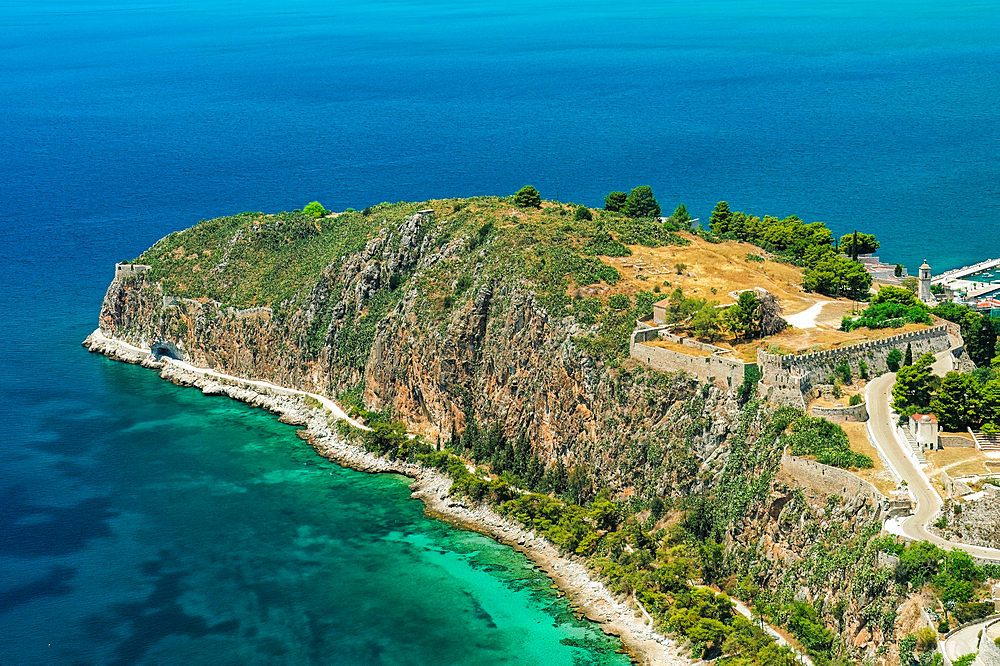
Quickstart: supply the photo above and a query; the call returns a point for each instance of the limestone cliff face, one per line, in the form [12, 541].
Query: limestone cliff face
[371, 321]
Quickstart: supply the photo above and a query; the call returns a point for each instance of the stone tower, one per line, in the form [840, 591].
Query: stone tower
[925, 283]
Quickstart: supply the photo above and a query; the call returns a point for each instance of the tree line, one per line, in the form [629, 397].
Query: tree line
[812, 246]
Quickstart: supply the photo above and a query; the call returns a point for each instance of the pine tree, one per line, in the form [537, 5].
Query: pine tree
[528, 197]
[641, 203]
[720, 220]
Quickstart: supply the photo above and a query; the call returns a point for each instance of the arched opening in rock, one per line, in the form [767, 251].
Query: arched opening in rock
[161, 349]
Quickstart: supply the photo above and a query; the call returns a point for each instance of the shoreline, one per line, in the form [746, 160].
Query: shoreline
[588, 597]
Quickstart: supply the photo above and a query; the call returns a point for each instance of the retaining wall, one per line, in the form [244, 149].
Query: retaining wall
[830, 480]
[858, 413]
[989, 651]
[953, 441]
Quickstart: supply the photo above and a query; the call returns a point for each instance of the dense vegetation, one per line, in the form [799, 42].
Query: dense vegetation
[625, 542]
[959, 400]
[891, 307]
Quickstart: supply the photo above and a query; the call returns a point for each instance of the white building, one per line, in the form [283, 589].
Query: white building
[924, 428]
[925, 284]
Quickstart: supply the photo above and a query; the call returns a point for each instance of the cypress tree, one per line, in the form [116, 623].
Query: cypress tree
[908, 358]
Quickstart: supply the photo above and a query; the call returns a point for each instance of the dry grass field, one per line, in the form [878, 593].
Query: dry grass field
[711, 271]
[723, 267]
[957, 462]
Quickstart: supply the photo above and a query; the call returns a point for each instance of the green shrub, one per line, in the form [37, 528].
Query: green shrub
[619, 302]
[315, 209]
[528, 197]
[604, 244]
[926, 639]
[582, 213]
[894, 359]
[614, 201]
[856, 399]
[827, 441]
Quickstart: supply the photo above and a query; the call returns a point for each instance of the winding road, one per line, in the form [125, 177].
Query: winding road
[928, 501]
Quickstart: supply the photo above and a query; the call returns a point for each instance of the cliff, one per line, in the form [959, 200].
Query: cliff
[441, 317]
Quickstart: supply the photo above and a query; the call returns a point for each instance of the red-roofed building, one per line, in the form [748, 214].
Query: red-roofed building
[924, 428]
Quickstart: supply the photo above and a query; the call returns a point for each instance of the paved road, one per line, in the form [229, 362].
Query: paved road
[928, 501]
[965, 641]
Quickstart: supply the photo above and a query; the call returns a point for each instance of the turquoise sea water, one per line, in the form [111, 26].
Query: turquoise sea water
[139, 521]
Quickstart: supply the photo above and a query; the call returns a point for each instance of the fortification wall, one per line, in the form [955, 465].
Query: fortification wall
[858, 413]
[719, 367]
[786, 379]
[816, 367]
[830, 480]
[128, 270]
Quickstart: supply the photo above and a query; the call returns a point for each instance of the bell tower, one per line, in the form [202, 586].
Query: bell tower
[925, 283]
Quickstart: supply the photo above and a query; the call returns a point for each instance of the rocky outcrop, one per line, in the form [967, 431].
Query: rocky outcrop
[376, 323]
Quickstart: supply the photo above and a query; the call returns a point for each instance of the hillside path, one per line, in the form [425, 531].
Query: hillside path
[806, 318]
[335, 410]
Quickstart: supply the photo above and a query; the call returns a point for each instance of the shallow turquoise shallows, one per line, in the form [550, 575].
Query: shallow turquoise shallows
[146, 524]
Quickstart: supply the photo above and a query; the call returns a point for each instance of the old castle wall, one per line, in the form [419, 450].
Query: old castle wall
[126, 270]
[857, 413]
[719, 367]
[830, 480]
[785, 378]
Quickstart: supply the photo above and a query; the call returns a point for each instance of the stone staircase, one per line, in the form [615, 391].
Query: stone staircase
[986, 441]
[917, 451]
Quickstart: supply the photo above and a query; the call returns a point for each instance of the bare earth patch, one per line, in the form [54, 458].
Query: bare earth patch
[957, 461]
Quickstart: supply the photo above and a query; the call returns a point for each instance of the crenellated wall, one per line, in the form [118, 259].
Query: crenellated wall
[787, 373]
[786, 379]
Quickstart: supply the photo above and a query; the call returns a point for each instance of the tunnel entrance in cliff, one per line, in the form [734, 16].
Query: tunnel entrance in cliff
[165, 350]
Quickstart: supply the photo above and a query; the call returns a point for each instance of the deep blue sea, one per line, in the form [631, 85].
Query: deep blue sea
[142, 523]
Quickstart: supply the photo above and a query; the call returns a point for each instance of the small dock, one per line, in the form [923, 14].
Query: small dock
[959, 273]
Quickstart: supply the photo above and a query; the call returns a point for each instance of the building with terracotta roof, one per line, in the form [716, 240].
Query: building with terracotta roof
[924, 428]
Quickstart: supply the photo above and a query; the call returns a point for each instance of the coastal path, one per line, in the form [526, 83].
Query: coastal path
[743, 610]
[883, 435]
[335, 410]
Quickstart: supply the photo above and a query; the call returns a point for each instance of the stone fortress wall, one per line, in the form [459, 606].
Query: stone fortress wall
[720, 366]
[858, 413]
[127, 270]
[786, 379]
[831, 480]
